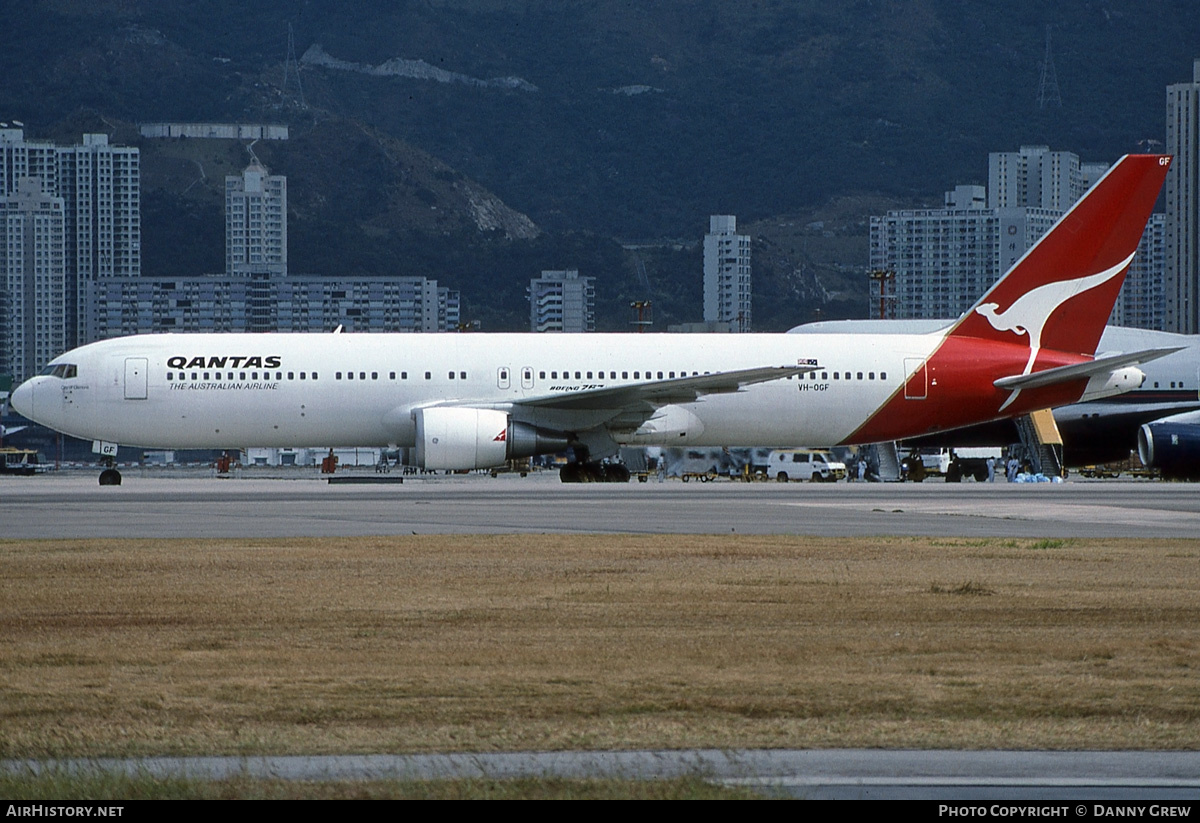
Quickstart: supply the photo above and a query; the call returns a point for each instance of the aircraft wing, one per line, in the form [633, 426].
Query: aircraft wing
[656, 393]
[1079, 371]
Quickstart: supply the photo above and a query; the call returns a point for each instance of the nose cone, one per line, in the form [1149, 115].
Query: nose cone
[22, 399]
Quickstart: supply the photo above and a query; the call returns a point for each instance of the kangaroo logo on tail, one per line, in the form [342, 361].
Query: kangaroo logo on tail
[1029, 313]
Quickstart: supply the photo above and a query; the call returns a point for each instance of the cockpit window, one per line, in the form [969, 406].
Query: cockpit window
[63, 370]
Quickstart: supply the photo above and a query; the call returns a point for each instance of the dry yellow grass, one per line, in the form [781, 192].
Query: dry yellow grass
[548, 642]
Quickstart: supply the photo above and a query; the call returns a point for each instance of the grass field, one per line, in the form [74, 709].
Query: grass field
[424, 644]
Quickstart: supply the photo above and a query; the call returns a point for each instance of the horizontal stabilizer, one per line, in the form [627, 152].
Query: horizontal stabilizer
[1080, 371]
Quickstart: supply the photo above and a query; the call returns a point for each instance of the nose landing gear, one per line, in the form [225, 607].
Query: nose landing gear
[110, 476]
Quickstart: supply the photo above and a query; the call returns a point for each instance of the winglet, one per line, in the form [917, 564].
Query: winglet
[1061, 292]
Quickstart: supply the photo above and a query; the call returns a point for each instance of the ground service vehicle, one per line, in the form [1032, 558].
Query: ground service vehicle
[804, 464]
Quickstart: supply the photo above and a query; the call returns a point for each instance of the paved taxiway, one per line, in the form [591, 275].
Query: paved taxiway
[149, 504]
[843, 774]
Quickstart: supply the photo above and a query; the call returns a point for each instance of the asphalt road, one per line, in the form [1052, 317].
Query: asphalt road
[151, 504]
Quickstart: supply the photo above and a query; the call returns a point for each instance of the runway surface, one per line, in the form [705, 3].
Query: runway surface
[152, 505]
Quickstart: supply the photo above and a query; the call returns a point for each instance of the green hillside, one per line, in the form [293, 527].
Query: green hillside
[595, 120]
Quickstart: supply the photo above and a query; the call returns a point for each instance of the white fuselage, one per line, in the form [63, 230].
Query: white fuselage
[244, 390]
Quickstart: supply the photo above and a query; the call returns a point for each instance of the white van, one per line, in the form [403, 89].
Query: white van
[804, 464]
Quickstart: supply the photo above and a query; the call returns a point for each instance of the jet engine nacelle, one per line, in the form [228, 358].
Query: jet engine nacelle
[1172, 448]
[464, 438]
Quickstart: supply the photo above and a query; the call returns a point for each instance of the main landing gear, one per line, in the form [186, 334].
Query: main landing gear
[582, 470]
[594, 472]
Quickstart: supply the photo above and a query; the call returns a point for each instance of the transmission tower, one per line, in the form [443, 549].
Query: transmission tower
[292, 66]
[1048, 86]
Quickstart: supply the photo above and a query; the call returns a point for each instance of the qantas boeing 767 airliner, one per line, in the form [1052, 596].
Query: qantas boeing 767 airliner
[475, 400]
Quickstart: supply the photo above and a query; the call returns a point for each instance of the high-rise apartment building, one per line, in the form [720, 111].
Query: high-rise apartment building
[21, 158]
[935, 263]
[33, 326]
[1142, 302]
[255, 222]
[1183, 207]
[562, 301]
[1039, 178]
[727, 291]
[100, 190]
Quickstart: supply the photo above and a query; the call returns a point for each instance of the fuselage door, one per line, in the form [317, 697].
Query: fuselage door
[135, 378]
[527, 377]
[917, 386]
[503, 380]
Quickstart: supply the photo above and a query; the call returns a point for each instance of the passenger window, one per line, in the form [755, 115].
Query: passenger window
[428, 375]
[314, 375]
[403, 375]
[374, 375]
[462, 375]
[450, 375]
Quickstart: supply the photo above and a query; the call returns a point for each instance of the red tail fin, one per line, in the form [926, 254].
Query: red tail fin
[1061, 292]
